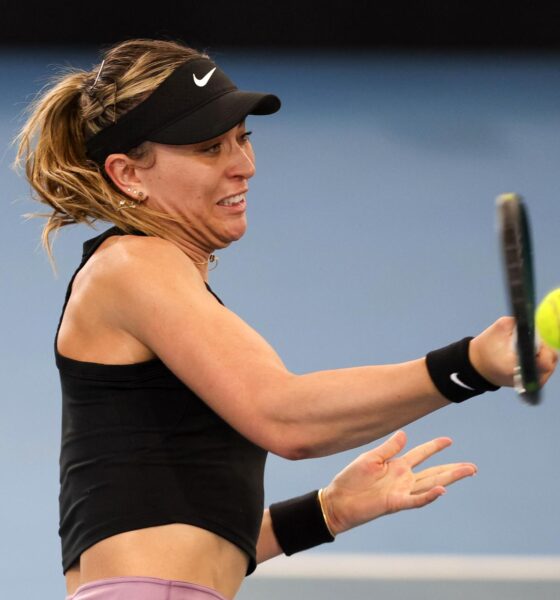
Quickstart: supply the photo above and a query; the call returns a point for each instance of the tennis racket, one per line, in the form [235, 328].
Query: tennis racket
[515, 239]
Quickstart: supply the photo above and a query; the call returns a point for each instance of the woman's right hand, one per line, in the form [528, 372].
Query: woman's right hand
[492, 354]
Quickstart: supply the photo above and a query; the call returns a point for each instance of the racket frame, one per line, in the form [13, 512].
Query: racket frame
[517, 257]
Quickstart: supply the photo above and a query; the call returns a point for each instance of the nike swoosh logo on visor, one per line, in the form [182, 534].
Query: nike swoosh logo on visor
[202, 82]
[455, 379]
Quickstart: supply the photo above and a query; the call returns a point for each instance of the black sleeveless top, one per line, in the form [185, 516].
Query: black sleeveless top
[140, 449]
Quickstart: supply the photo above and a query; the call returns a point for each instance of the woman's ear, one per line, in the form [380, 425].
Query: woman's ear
[123, 172]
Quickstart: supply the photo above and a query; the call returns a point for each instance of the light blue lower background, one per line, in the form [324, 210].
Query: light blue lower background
[302, 589]
[372, 239]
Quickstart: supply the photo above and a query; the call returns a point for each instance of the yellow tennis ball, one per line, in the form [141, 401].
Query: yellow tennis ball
[547, 319]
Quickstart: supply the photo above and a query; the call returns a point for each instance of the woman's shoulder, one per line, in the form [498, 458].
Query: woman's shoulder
[108, 290]
[119, 255]
[120, 289]
[125, 247]
[124, 265]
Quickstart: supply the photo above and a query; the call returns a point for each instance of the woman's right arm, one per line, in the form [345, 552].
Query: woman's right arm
[156, 294]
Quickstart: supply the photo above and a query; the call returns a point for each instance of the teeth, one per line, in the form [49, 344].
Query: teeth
[231, 201]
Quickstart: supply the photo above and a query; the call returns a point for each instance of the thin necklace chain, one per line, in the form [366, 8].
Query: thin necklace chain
[212, 260]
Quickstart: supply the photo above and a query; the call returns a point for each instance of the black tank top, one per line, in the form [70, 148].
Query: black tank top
[140, 449]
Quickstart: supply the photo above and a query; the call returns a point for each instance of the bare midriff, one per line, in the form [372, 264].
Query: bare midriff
[178, 551]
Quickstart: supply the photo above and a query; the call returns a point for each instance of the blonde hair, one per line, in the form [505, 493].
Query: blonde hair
[78, 104]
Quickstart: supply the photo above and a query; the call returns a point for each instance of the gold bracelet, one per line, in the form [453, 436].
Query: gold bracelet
[329, 527]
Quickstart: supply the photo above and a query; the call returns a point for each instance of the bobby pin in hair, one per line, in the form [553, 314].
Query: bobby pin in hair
[92, 92]
[97, 77]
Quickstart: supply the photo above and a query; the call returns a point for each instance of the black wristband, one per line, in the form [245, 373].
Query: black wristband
[299, 524]
[453, 374]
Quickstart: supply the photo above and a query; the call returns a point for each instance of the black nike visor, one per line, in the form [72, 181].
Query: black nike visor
[197, 102]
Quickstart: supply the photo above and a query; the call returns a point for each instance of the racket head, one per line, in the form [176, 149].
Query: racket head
[517, 257]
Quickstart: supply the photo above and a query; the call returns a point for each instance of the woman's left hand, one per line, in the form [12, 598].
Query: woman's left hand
[378, 483]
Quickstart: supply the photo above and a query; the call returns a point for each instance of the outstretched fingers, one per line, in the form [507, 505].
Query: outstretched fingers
[391, 447]
[442, 475]
[421, 453]
[420, 500]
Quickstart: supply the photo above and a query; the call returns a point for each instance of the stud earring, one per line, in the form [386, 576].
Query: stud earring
[139, 194]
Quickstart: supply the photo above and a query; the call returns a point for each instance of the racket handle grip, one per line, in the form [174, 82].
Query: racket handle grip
[531, 396]
[518, 381]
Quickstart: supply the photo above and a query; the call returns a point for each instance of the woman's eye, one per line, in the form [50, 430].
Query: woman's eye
[245, 137]
[213, 149]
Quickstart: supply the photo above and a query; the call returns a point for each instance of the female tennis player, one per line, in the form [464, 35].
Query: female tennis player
[170, 401]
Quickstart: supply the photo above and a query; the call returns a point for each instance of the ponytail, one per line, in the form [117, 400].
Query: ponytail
[51, 145]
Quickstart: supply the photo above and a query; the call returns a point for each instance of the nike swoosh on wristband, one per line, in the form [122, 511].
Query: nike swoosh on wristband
[204, 80]
[455, 379]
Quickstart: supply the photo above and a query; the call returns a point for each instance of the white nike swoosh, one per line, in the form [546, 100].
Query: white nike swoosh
[202, 82]
[455, 379]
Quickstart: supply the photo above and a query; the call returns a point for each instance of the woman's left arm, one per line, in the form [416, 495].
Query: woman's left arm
[375, 484]
[267, 545]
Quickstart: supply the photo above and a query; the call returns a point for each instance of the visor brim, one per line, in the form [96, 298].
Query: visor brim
[215, 118]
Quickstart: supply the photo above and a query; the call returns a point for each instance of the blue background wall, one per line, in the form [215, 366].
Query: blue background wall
[372, 239]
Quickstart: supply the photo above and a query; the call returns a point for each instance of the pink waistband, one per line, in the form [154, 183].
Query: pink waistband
[143, 588]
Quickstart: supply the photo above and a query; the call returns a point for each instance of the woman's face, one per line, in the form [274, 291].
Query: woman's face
[205, 184]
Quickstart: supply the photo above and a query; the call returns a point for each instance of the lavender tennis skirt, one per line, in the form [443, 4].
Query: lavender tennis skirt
[143, 588]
